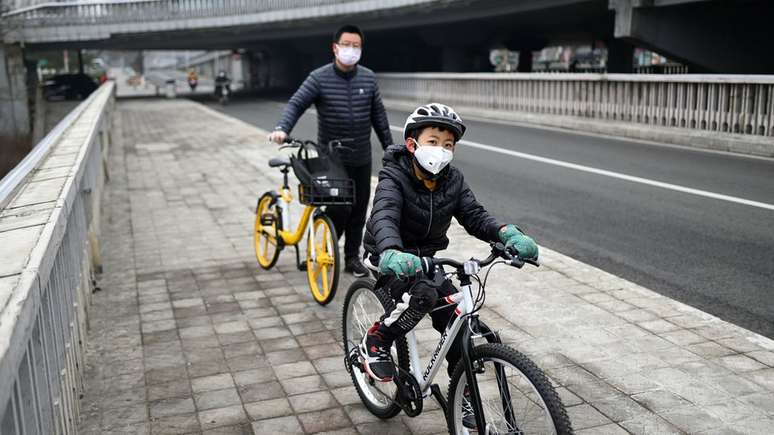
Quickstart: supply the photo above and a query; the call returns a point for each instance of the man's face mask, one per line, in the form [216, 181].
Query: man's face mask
[348, 55]
[432, 158]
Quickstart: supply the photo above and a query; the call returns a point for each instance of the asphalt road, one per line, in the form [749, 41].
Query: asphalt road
[714, 254]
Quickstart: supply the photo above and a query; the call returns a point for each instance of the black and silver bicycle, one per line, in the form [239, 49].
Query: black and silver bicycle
[493, 386]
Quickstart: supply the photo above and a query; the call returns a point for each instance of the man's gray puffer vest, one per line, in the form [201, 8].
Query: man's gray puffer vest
[409, 217]
[348, 104]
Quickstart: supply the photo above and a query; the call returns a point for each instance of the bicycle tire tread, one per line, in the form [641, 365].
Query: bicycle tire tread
[533, 373]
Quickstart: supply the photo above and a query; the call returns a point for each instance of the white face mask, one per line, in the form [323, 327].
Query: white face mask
[347, 55]
[432, 158]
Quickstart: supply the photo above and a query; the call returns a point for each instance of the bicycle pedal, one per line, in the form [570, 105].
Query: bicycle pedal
[267, 219]
[353, 360]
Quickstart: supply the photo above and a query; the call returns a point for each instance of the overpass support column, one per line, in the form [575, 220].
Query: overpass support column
[14, 107]
[620, 56]
[464, 59]
[453, 59]
[525, 60]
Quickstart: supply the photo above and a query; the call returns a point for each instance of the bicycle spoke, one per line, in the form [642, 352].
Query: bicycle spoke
[509, 401]
[324, 271]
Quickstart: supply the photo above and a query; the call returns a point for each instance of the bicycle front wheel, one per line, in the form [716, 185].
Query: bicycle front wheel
[516, 396]
[266, 235]
[322, 260]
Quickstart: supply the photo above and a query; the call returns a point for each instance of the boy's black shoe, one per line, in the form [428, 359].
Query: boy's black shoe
[468, 418]
[376, 353]
[355, 267]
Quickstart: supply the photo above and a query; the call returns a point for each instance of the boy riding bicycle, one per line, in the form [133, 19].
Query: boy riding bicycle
[417, 195]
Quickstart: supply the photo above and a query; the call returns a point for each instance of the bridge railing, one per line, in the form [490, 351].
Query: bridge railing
[49, 227]
[719, 103]
[110, 12]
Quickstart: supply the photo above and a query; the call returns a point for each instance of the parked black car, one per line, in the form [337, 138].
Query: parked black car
[69, 87]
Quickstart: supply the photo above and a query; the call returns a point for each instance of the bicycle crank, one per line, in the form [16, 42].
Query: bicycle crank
[409, 397]
[267, 219]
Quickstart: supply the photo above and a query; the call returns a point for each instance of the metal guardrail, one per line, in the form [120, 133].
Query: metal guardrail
[44, 300]
[722, 103]
[12, 180]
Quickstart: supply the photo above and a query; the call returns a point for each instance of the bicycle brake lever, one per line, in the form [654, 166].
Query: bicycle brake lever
[513, 258]
[533, 262]
[516, 262]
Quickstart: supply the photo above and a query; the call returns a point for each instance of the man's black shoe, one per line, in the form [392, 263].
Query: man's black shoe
[355, 267]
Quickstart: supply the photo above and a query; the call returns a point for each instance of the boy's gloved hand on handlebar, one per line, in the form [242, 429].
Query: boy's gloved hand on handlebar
[514, 238]
[400, 264]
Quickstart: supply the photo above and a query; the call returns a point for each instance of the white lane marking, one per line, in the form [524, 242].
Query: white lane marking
[611, 174]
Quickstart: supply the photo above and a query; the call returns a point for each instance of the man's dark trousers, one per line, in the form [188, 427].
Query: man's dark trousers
[350, 220]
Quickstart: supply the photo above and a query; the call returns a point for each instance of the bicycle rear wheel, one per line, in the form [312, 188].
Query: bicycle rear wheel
[364, 305]
[322, 271]
[516, 396]
[267, 246]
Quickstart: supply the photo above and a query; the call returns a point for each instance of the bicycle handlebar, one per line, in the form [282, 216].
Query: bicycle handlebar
[291, 142]
[498, 251]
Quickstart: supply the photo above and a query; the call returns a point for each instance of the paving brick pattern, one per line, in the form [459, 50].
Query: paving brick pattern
[189, 336]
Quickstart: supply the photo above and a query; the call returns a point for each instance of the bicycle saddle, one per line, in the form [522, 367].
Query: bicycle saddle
[279, 161]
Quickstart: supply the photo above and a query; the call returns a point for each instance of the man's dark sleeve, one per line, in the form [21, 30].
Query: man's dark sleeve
[306, 94]
[474, 217]
[385, 215]
[379, 120]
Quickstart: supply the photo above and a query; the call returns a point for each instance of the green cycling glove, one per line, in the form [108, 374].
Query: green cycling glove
[513, 237]
[400, 264]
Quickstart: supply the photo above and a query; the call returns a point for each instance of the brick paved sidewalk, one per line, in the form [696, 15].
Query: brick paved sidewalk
[189, 336]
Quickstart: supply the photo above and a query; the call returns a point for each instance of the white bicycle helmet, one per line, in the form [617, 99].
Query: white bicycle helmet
[434, 114]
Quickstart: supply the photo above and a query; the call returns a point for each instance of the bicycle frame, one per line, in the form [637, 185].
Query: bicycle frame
[294, 237]
[465, 306]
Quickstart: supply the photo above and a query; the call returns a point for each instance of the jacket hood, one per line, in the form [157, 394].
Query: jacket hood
[398, 161]
[395, 153]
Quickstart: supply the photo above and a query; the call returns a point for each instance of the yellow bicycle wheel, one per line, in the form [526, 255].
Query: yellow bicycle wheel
[267, 247]
[323, 271]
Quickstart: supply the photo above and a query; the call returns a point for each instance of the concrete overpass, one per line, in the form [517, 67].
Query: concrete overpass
[414, 35]
[282, 40]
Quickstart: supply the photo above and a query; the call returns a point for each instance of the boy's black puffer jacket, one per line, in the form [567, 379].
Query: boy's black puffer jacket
[409, 217]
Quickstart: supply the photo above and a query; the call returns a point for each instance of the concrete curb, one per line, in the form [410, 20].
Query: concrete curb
[734, 143]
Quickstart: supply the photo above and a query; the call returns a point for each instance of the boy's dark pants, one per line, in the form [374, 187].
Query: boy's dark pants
[350, 220]
[414, 300]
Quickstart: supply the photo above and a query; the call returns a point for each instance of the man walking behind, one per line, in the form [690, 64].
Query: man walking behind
[348, 104]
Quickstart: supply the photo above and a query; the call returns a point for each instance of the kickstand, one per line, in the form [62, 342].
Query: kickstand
[301, 266]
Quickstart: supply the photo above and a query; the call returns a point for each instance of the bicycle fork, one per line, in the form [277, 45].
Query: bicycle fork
[470, 374]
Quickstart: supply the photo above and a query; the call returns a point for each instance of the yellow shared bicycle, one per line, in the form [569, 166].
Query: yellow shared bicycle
[322, 182]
